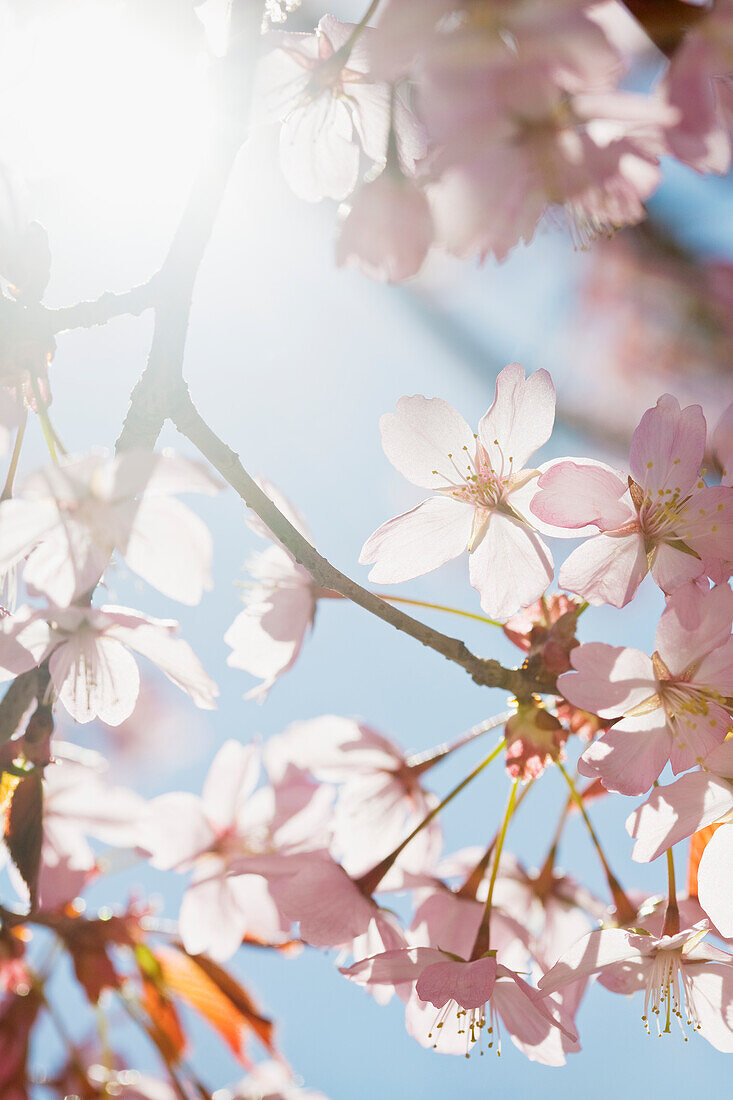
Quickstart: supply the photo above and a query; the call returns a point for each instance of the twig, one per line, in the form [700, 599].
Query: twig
[488, 673]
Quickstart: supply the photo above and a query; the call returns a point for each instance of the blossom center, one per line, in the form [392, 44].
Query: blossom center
[669, 994]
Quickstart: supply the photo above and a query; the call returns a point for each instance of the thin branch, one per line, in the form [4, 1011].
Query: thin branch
[488, 673]
[103, 309]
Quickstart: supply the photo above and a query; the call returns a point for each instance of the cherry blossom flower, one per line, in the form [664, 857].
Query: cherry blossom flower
[482, 490]
[380, 798]
[388, 229]
[663, 518]
[534, 739]
[518, 144]
[229, 838]
[673, 706]
[88, 651]
[67, 520]
[280, 605]
[319, 86]
[683, 978]
[698, 85]
[469, 994]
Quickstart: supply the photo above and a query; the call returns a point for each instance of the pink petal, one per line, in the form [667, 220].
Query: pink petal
[511, 566]
[175, 830]
[426, 435]
[674, 812]
[590, 955]
[668, 446]
[318, 156]
[629, 760]
[170, 548]
[606, 569]
[469, 984]
[693, 623]
[672, 567]
[712, 986]
[715, 879]
[393, 967]
[231, 780]
[608, 680]
[95, 677]
[172, 656]
[696, 735]
[211, 919]
[520, 419]
[418, 541]
[573, 495]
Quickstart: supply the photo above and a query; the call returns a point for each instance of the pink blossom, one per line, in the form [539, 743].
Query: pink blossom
[517, 143]
[88, 651]
[698, 85]
[469, 994]
[534, 739]
[662, 518]
[673, 707]
[67, 521]
[319, 86]
[482, 490]
[380, 798]
[683, 978]
[230, 837]
[280, 605]
[388, 229]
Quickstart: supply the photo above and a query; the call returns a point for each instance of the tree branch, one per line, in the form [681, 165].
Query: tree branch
[488, 673]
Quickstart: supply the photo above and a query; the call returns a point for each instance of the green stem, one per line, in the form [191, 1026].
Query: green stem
[473, 880]
[483, 937]
[672, 915]
[438, 607]
[14, 459]
[625, 910]
[52, 440]
[369, 881]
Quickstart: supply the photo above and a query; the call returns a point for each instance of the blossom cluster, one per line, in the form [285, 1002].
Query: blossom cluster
[460, 124]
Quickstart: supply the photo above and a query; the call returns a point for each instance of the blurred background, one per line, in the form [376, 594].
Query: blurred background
[292, 362]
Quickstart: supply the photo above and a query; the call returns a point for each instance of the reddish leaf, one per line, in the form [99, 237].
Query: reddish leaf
[698, 843]
[24, 831]
[87, 942]
[239, 997]
[229, 1010]
[166, 1032]
[17, 1018]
